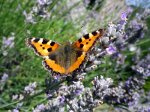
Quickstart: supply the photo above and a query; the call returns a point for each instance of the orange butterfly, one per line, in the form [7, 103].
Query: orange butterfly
[67, 58]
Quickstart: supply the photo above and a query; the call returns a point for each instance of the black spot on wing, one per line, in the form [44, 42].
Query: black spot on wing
[36, 40]
[52, 43]
[94, 33]
[49, 49]
[86, 36]
[80, 40]
[81, 45]
[44, 41]
[101, 31]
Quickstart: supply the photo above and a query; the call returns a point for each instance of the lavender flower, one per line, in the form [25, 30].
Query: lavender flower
[62, 99]
[143, 67]
[86, 102]
[3, 80]
[142, 103]
[18, 97]
[102, 91]
[42, 2]
[40, 10]
[135, 24]
[111, 50]
[14, 97]
[7, 43]
[29, 17]
[39, 108]
[124, 16]
[15, 110]
[30, 88]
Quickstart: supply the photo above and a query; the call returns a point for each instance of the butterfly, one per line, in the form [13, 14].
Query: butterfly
[67, 58]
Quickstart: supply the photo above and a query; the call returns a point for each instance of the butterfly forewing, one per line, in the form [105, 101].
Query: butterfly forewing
[88, 40]
[42, 47]
[52, 65]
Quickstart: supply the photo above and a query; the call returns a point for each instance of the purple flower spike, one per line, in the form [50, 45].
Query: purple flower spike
[42, 2]
[15, 110]
[122, 22]
[124, 16]
[39, 108]
[57, 78]
[129, 10]
[136, 25]
[62, 99]
[110, 50]
[78, 92]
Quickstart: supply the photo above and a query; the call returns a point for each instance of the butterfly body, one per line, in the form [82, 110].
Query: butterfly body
[65, 55]
[67, 58]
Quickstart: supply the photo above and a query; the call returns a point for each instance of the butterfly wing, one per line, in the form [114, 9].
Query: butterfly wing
[51, 64]
[83, 45]
[42, 47]
[88, 40]
[80, 59]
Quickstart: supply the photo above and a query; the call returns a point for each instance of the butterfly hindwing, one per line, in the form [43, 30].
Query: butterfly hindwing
[42, 47]
[87, 41]
[52, 65]
[77, 63]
